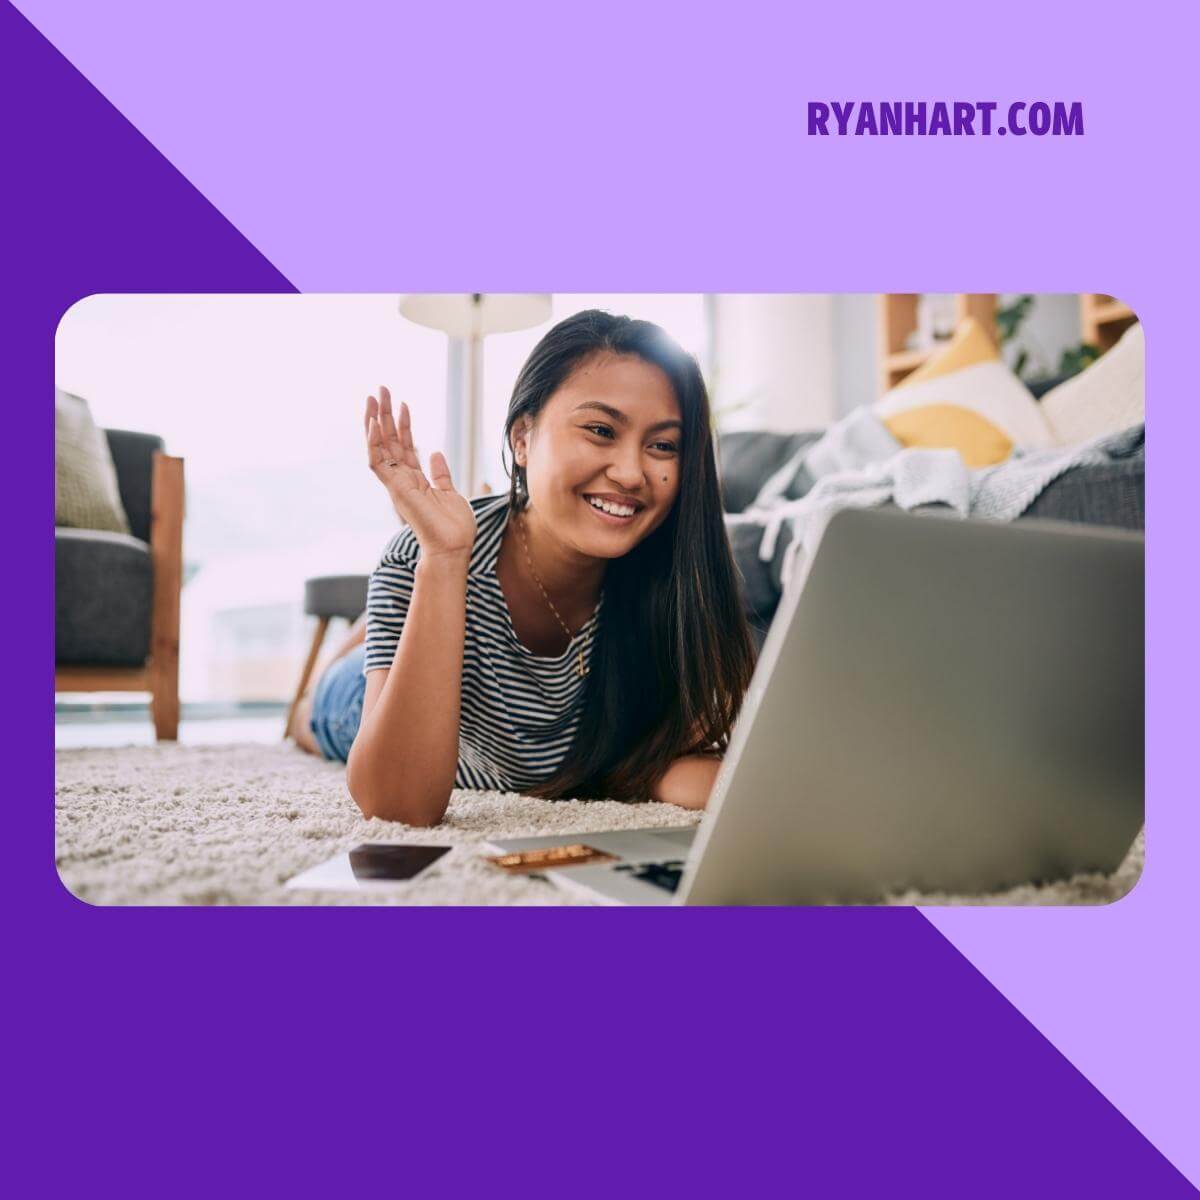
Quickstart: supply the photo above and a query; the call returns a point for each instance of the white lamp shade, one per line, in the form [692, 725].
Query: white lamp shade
[468, 315]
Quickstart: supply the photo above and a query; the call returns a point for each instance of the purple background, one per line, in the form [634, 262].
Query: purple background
[401, 150]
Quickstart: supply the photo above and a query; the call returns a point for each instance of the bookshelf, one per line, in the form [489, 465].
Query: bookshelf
[898, 319]
[1103, 319]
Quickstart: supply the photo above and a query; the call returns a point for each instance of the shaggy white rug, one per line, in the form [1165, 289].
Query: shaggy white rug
[174, 824]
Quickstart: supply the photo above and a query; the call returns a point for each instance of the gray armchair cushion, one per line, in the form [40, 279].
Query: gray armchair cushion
[103, 595]
[133, 457]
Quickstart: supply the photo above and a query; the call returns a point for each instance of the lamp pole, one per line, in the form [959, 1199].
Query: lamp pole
[474, 397]
[456, 417]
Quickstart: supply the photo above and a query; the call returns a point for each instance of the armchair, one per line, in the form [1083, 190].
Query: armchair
[116, 597]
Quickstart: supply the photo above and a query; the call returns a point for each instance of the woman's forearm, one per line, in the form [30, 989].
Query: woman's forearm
[405, 756]
[688, 781]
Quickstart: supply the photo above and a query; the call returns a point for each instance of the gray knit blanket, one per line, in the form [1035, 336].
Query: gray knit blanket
[859, 464]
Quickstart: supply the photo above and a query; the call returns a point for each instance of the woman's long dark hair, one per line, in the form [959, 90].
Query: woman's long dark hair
[672, 656]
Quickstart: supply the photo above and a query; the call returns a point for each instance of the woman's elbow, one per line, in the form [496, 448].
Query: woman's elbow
[376, 802]
[421, 812]
[688, 782]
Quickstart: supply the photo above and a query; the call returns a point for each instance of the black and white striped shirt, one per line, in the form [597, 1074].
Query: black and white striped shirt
[519, 710]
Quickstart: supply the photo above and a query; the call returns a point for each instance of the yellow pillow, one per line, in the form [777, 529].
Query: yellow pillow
[964, 398]
[942, 426]
[969, 346]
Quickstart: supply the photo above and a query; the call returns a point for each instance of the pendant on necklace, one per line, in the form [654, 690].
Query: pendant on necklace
[581, 668]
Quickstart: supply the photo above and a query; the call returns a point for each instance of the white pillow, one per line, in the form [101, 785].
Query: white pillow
[1107, 397]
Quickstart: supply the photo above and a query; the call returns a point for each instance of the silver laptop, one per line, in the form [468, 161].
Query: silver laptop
[940, 705]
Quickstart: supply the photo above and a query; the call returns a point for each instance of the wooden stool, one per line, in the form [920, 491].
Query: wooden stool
[326, 597]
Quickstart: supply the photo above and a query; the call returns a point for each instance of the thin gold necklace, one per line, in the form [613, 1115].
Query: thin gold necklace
[579, 666]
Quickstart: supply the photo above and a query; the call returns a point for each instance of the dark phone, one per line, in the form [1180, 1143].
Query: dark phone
[383, 861]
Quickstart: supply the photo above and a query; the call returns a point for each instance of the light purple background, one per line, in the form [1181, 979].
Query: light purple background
[662, 148]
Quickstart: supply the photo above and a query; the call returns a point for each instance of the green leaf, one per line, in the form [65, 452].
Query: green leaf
[1010, 317]
[1076, 358]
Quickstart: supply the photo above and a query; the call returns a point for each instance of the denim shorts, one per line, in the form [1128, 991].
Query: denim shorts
[337, 705]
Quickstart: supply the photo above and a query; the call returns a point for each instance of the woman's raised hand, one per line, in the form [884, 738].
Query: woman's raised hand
[443, 521]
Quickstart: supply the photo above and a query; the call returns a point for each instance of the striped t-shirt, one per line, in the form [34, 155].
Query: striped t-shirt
[519, 710]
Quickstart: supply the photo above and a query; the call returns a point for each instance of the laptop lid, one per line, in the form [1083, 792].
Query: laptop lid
[943, 705]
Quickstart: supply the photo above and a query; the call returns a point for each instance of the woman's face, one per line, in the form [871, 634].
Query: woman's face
[610, 435]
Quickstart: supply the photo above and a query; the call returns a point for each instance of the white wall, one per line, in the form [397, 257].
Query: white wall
[855, 350]
[774, 362]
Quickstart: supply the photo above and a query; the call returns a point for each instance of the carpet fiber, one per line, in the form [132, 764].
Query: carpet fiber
[174, 824]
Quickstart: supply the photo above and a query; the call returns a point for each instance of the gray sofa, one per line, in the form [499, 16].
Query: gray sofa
[1113, 494]
[116, 596]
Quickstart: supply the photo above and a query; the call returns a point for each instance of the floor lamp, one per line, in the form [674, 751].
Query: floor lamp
[470, 318]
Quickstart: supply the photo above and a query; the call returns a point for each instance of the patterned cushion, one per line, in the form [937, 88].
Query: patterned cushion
[86, 495]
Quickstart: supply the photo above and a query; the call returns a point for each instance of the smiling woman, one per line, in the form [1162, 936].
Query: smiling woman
[581, 637]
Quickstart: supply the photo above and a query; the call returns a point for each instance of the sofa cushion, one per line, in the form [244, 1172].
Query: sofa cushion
[1104, 494]
[103, 593]
[86, 494]
[760, 583]
[747, 460]
[1110, 395]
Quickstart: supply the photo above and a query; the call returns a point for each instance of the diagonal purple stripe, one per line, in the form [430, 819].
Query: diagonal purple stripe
[822, 1051]
[95, 199]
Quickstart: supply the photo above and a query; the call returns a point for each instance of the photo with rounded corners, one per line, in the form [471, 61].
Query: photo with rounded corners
[625, 599]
